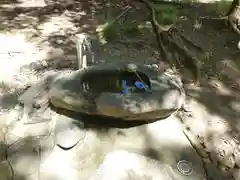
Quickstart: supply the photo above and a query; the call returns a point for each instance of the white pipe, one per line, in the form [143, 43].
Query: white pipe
[81, 51]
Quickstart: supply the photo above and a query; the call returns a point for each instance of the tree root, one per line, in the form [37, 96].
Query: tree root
[199, 146]
[234, 20]
[203, 160]
[171, 51]
[231, 20]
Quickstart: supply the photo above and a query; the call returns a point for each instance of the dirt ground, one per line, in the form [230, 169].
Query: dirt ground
[51, 28]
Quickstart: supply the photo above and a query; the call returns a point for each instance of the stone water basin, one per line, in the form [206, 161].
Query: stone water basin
[98, 90]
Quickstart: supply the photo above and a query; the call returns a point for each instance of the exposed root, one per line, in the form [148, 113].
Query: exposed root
[234, 20]
[199, 154]
[186, 40]
[231, 20]
[171, 51]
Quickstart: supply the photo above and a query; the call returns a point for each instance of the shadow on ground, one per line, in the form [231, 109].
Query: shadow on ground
[16, 153]
[56, 25]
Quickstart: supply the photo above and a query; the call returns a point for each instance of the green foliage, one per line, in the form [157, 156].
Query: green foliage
[166, 14]
[130, 29]
[110, 32]
[107, 32]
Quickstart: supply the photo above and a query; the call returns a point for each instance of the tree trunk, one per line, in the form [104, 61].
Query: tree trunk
[234, 16]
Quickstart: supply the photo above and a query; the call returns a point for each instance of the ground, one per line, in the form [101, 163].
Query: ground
[39, 38]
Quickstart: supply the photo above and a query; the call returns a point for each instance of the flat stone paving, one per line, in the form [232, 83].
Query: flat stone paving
[152, 150]
[191, 147]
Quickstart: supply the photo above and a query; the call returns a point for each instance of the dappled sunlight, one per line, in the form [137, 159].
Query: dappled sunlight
[219, 87]
[55, 167]
[15, 52]
[14, 43]
[22, 3]
[214, 121]
[168, 131]
[163, 141]
[115, 166]
[217, 124]
[221, 148]
[216, 107]
[137, 167]
[198, 119]
[30, 3]
[230, 67]
[39, 37]
[231, 70]
[58, 25]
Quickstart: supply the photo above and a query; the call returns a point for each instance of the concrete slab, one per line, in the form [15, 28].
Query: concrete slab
[81, 161]
[163, 141]
[122, 165]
